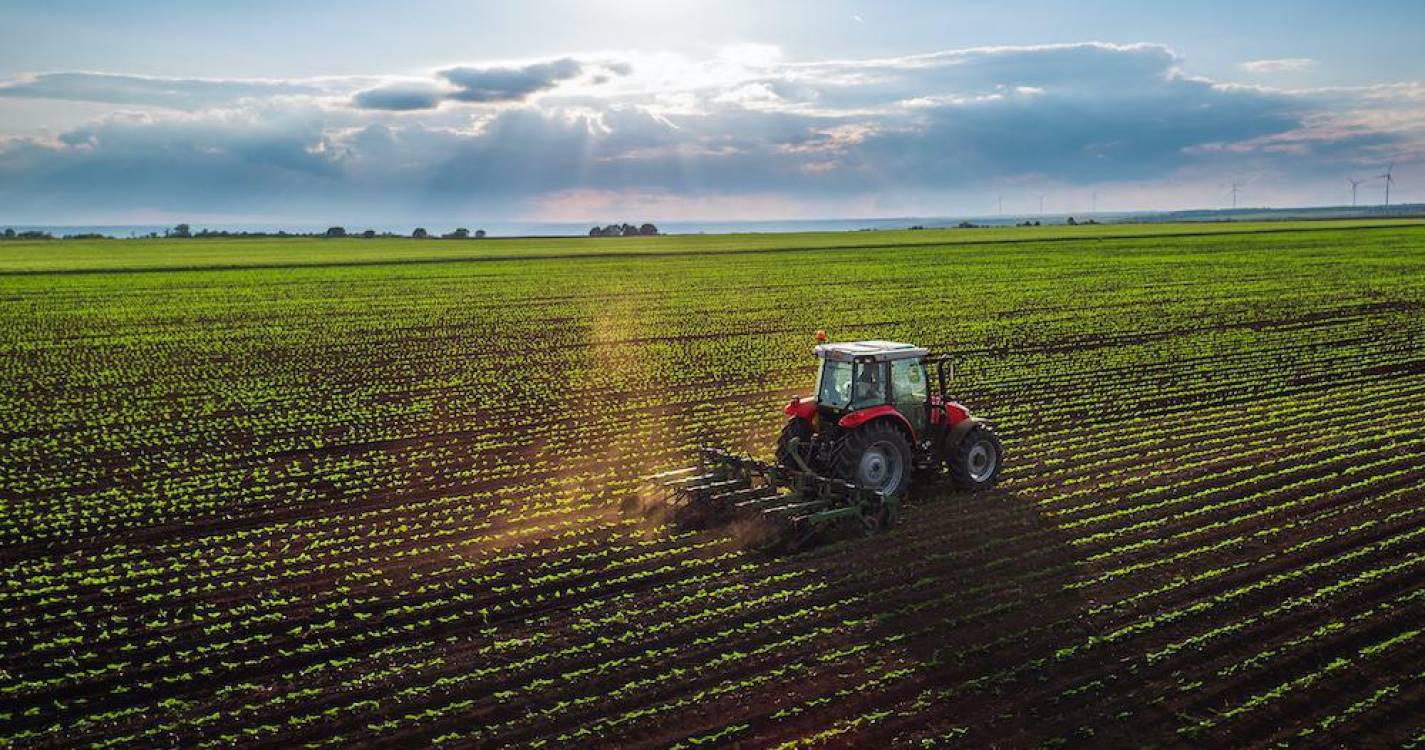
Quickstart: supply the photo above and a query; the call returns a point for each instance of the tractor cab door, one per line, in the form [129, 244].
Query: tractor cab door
[910, 393]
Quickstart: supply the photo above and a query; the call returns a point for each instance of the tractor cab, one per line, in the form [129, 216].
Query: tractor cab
[868, 374]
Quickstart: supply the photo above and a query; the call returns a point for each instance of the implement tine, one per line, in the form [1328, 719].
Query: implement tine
[744, 494]
[793, 507]
[669, 474]
[756, 502]
[722, 457]
[683, 481]
[726, 483]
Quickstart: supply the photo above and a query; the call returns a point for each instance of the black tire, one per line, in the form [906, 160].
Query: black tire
[976, 461]
[854, 464]
[799, 429]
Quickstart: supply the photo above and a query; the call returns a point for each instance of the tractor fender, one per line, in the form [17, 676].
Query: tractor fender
[946, 412]
[799, 407]
[958, 433]
[884, 411]
[955, 412]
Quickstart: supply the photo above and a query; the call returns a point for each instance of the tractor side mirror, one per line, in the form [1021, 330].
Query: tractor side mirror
[941, 364]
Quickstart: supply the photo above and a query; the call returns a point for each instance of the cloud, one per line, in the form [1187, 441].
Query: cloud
[176, 93]
[123, 163]
[508, 84]
[1279, 65]
[399, 97]
[487, 84]
[575, 133]
[480, 85]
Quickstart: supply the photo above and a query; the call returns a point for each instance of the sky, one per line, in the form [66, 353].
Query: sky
[149, 112]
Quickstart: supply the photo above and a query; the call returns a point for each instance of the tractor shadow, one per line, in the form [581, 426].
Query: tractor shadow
[964, 584]
[962, 593]
[949, 555]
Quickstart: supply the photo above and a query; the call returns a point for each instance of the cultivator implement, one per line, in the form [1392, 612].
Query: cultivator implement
[793, 503]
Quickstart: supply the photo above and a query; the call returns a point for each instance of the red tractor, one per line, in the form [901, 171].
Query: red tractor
[874, 421]
[849, 452]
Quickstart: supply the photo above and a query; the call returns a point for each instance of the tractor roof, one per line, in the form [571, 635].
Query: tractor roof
[879, 351]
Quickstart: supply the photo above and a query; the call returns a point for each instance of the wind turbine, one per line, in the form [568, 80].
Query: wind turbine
[1389, 178]
[1041, 205]
[1235, 189]
[1355, 183]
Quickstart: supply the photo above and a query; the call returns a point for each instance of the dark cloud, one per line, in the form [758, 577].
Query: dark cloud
[485, 85]
[398, 98]
[509, 84]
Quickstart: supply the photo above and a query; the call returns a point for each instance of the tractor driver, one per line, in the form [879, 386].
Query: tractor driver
[869, 388]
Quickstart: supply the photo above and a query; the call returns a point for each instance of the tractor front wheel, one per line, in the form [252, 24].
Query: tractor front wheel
[975, 462]
[876, 456]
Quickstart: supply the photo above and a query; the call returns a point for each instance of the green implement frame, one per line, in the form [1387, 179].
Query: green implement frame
[796, 502]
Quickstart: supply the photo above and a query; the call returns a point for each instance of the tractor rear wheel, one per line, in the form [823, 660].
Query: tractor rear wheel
[975, 462]
[797, 429]
[876, 456]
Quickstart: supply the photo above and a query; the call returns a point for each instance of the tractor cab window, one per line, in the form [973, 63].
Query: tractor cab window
[843, 385]
[911, 392]
[834, 384]
[870, 385]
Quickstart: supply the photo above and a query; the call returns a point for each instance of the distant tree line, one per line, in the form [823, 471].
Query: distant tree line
[35, 234]
[11, 234]
[624, 230]
[184, 231]
[419, 233]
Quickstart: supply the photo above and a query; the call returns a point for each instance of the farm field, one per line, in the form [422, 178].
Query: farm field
[322, 493]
